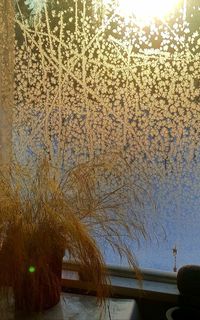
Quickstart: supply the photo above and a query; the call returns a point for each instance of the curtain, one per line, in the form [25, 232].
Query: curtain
[7, 39]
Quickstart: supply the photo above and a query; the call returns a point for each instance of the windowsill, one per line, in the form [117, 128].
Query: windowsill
[76, 306]
[156, 285]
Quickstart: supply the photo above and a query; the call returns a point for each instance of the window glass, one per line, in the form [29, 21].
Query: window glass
[92, 77]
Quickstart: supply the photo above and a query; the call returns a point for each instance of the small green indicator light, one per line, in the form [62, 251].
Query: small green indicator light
[31, 269]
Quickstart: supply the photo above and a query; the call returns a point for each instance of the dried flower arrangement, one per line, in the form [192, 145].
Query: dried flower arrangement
[44, 213]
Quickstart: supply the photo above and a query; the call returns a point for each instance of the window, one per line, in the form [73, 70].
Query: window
[90, 79]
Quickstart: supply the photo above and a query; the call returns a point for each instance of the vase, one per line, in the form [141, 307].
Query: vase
[40, 287]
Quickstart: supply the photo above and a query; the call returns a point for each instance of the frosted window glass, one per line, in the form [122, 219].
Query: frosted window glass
[90, 80]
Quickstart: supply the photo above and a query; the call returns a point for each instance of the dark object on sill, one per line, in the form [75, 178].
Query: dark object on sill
[182, 314]
[188, 283]
[188, 280]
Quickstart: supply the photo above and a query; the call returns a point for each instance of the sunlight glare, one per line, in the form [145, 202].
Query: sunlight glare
[146, 10]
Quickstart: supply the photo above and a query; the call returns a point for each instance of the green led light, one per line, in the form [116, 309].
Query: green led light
[31, 269]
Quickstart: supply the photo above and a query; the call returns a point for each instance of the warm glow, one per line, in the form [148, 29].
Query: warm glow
[146, 10]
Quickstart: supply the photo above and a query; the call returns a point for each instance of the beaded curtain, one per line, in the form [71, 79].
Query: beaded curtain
[90, 80]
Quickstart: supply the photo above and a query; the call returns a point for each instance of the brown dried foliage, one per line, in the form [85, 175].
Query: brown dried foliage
[47, 211]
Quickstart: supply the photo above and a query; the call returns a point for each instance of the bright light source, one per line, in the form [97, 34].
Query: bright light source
[145, 10]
